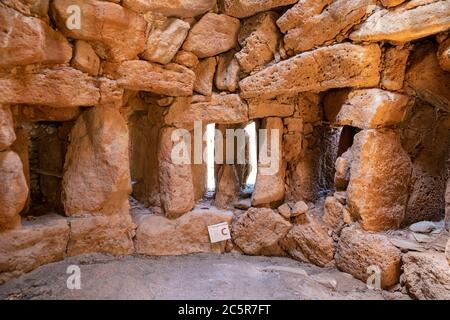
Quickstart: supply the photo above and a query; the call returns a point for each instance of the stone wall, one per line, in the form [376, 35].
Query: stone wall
[359, 91]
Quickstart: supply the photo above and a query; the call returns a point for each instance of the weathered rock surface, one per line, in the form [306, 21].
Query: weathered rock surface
[269, 185]
[165, 38]
[204, 76]
[119, 32]
[247, 8]
[358, 250]
[186, 58]
[104, 234]
[447, 252]
[85, 58]
[25, 113]
[57, 87]
[35, 8]
[258, 37]
[338, 66]
[175, 177]
[259, 232]
[366, 108]
[13, 190]
[444, 55]
[380, 176]
[157, 235]
[310, 242]
[7, 134]
[220, 109]
[342, 173]
[213, 34]
[28, 40]
[96, 172]
[171, 79]
[39, 242]
[427, 275]
[269, 108]
[227, 187]
[426, 77]
[422, 227]
[315, 26]
[391, 3]
[410, 21]
[171, 8]
[393, 74]
[227, 73]
[333, 215]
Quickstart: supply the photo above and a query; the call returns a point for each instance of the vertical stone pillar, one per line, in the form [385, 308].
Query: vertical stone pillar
[380, 175]
[13, 190]
[96, 171]
[175, 180]
[269, 187]
[231, 175]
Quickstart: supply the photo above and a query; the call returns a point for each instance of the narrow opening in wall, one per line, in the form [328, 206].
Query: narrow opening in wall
[346, 139]
[47, 147]
[210, 168]
[252, 166]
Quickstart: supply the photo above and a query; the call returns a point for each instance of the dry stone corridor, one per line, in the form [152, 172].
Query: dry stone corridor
[354, 96]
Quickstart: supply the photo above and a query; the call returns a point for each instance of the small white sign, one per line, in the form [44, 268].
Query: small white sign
[219, 232]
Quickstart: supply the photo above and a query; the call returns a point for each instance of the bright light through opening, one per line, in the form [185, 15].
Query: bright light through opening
[250, 129]
[210, 179]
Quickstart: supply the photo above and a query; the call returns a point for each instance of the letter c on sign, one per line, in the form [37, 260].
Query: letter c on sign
[224, 231]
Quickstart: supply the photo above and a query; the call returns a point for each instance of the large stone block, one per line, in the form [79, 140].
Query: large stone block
[175, 176]
[379, 179]
[35, 8]
[13, 190]
[85, 58]
[138, 75]
[259, 38]
[96, 171]
[60, 86]
[159, 236]
[219, 108]
[393, 74]
[26, 113]
[260, 231]
[366, 108]
[269, 185]
[358, 250]
[269, 108]
[227, 73]
[164, 40]
[41, 241]
[410, 21]
[7, 134]
[119, 33]
[247, 8]
[101, 234]
[227, 187]
[310, 242]
[338, 66]
[213, 34]
[314, 27]
[204, 76]
[427, 275]
[171, 8]
[27, 40]
[426, 77]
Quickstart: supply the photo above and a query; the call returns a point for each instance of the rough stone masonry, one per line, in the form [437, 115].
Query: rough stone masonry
[91, 92]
